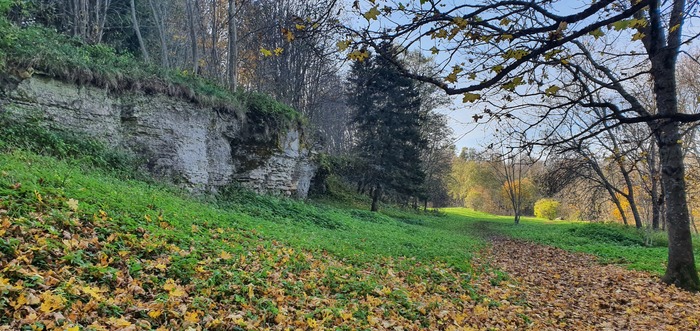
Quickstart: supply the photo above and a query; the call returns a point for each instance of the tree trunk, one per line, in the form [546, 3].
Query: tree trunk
[160, 26]
[375, 198]
[103, 20]
[232, 46]
[635, 211]
[137, 30]
[214, 63]
[630, 189]
[681, 270]
[193, 36]
[656, 199]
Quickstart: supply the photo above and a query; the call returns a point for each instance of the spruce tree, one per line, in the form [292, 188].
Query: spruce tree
[388, 118]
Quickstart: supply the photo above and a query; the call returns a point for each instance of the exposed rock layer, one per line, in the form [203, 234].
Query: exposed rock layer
[199, 147]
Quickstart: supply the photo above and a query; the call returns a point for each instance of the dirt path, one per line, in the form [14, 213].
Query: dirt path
[571, 291]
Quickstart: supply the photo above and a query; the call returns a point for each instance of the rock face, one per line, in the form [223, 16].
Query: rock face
[198, 147]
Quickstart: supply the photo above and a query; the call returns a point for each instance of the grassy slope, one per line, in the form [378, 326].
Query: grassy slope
[250, 261]
[257, 262]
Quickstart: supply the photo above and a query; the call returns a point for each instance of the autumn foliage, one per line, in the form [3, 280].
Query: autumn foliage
[547, 208]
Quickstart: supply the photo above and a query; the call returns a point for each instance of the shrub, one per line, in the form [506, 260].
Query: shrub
[547, 208]
[610, 233]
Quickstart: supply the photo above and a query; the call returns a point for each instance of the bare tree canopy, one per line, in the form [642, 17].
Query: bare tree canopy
[541, 62]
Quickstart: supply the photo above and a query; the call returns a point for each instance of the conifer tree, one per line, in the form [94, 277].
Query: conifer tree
[388, 118]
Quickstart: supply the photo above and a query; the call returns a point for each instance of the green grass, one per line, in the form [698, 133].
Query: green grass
[339, 223]
[612, 243]
[244, 253]
[237, 251]
[356, 235]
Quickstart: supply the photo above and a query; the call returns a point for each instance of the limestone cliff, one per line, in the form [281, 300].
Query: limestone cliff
[201, 148]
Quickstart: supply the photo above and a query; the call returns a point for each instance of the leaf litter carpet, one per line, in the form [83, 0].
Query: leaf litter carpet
[572, 291]
[62, 268]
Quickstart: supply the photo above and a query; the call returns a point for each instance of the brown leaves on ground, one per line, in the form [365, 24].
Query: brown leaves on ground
[62, 268]
[570, 291]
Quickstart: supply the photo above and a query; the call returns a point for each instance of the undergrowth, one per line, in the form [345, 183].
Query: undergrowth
[36, 50]
[30, 135]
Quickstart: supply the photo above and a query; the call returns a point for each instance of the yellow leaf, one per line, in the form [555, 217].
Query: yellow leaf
[371, 14]
[372, 320]
[312, 323]
[674, 28]
[178, 292]
[214, 323]
[278, 51]
[20, 302]
[552, 90]
[161, 266]
[515, 54]
[359, 55]
[251, 293]
[169, 285]
[265, 52]
[460, 22]
[192, 317]
[195, 228]
[72, 204]
[121, 323]
[637, 36]
[173, 289]
[621, 25]
[452, 77]
[434, 50]
[346, 315]
[597, 33]
[225, 255]
[51, 302]
[343, 45]
[300, 26]
[93, 292]
[73, 328]
[505, 21]
[471, 97]
[4, 283]
[442, 33]
[155, 313]
[513, 83]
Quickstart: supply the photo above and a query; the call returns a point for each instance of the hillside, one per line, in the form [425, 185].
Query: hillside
[85, 248]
